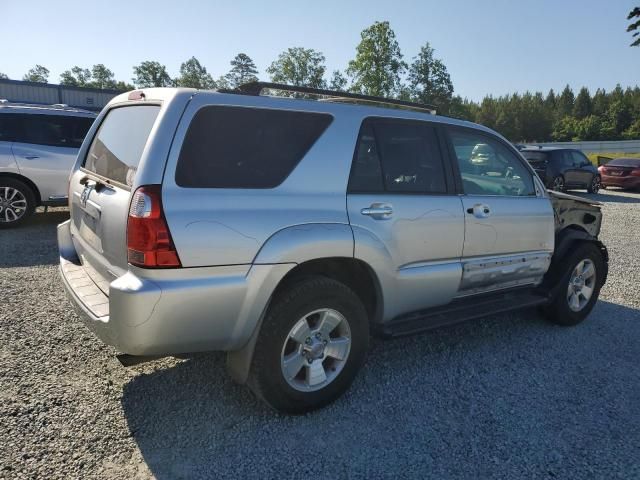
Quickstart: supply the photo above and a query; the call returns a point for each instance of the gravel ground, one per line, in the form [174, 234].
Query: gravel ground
[509, 396]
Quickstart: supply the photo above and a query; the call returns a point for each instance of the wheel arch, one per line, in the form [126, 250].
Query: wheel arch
[356, 274]
[26, 181]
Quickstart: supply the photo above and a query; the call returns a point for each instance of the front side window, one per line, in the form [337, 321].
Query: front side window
[9, 127]
[487, 167]
[398, 157]
[579, 160]
[239, 147]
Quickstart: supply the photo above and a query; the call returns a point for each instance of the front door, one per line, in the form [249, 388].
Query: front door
[407, 221]
[509, 226]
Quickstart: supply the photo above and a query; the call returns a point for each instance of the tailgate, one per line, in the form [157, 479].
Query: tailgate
[100, 191]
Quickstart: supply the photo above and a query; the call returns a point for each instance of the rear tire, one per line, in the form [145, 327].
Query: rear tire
[578, 280]
[594, 186]
[557, 184]
[17, 202]
[317, 332]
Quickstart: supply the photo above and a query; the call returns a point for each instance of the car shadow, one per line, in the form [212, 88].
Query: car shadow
[32, 243]
[477, 399]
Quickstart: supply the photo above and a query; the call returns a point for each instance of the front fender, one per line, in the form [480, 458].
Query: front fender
[301, 243]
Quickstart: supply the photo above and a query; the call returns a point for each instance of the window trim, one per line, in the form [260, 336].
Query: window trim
[454, 162]
[331, 117]
[449, 179]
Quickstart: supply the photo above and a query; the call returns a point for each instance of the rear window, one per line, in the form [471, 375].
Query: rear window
[535, 156]
[117, 147]
[237, 147]
[625, 162]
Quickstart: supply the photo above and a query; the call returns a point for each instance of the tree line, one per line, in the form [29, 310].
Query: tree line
[379, 69]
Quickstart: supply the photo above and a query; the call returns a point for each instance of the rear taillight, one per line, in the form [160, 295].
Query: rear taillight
[149, 242]
[636, 172]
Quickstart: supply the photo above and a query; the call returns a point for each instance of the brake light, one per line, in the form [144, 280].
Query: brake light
[149, 241]
[636, 172]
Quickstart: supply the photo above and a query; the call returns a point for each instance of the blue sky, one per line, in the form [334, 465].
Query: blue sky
[490, 47]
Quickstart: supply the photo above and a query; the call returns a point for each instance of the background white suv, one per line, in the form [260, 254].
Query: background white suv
[38, 147]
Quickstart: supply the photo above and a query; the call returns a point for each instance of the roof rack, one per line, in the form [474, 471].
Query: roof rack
[256, 88]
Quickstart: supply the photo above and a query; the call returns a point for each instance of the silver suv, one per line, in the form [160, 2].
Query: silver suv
[38, 147]
[285, 231]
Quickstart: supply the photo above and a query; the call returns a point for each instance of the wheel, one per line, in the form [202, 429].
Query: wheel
[579, 279]
[313, 341]
[594, 186]
[17, 202]
[557, 184]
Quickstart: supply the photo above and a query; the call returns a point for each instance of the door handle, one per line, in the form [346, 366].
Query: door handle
[379, 211]
[31, 157]
[479, 210]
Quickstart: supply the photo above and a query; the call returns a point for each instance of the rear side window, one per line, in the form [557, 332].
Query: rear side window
[535, 156]
[237, 147]
[398, 157]
[53, 130]
[9, 124]
[117, 147]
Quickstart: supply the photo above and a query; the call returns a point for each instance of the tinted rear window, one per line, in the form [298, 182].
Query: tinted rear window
[236, 147]
[117, 147]
[535, 156]
[625, 162]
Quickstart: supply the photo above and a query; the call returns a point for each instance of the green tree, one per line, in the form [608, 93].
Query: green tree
[194, 75]
[123, 86]
[378, 65]
[634, 26]
[633, 132]
[151, 74]
[463, 109]
[564, 130]
[77, 77]
[588, 128]
[101, 77]
[338, 81]
[299, 66]
[550, 101]
[600, 102]
[38, 74]
[565, 102]
[4, 76]
[582, 106]
[488, 112]
[243, 70]
[429, 80]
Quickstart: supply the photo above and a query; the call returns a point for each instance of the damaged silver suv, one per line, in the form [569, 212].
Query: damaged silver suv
[286, 230]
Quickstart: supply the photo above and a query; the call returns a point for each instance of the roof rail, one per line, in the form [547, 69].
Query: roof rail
[256, 88]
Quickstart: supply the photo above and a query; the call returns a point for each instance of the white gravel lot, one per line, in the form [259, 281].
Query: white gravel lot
[509, 396]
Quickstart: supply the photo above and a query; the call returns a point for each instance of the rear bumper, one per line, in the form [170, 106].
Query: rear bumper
[173, 311]
[616, 181]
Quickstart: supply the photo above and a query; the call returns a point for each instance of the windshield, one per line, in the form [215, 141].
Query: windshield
[625, 162]
[117, 147]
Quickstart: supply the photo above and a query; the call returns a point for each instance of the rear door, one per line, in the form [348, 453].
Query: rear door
[46, 150]
[509, 225]
[101, 190]
[401, 194]
[8, 130]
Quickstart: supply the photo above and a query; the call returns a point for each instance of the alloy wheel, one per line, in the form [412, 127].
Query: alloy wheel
[558, 184]
[13, 204]
[316, 350]
[595, 185]
[581, 285]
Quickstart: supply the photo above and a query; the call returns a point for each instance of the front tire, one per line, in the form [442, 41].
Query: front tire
[594, 186]
[17, 202]
[313, 341]
[578, 280]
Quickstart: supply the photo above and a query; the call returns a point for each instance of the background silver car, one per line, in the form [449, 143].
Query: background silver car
[38, 147]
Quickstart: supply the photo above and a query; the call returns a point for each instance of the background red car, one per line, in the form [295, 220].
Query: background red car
[621, 172]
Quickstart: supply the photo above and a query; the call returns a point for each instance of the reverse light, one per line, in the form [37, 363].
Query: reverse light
[149, 243]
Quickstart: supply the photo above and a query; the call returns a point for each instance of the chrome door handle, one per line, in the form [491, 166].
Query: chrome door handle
[379, 211]
[31, 157]
[479, 210]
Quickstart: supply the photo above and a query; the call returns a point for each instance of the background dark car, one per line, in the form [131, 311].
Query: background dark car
[621, 172]
[563, 168]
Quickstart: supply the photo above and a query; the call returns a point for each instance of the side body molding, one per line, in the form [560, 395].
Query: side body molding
[300, 243]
